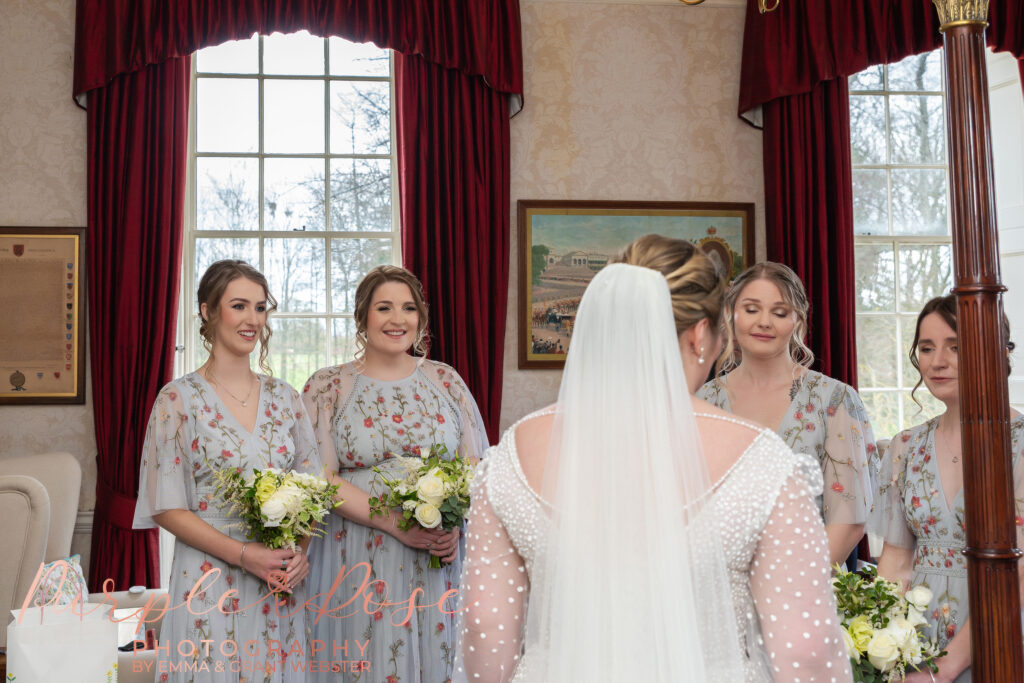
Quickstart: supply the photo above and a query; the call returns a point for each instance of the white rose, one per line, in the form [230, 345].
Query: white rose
[292, 497]
[428, 515]
[915, 616]
[430, 489]
[409, 505]
[273, 511]
[920, 597]
[883, 652]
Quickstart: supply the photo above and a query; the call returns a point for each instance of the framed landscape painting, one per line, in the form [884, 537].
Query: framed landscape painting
[562, 244]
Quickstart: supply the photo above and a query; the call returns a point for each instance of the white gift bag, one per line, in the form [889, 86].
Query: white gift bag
[50, 646]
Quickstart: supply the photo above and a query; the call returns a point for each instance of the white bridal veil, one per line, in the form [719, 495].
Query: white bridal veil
[633, 585]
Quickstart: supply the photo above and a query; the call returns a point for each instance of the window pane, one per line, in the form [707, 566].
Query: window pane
[919, 201]
[868, 79]
[908, 325]
[870, 202]
[360, 118]
[876, 351]
[226, 115]
[883, 411]
[361, 194]
[293, 116]
[914, 414]
[293, 194]
[867, 129]
[294, 266]
[232, 57]
[343, 340]
[227, 193]
[918, 132]
[918, 72]
[875, 275]
[351, 259]
[925, 272]
[297, 349]
[357, 59]
[297, 54]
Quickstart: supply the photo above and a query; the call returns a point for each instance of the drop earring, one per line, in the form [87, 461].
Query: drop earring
[700, 358]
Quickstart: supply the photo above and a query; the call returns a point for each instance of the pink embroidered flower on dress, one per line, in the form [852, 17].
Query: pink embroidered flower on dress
[440, 418]
[397, 419]
[799, 415]
[831, 411]
[282, 449]
[195, 444]
[837, 487]
[205, 566]
[203, 505]
[368, 422]
[226, 454]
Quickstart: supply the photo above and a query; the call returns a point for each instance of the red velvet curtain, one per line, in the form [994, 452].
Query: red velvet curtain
[453, 168]
[790, 50]
[137, 133]
[809, 213]
[479, 37]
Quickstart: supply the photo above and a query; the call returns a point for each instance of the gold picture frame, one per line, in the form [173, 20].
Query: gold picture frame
[42, 291]
[563, 243]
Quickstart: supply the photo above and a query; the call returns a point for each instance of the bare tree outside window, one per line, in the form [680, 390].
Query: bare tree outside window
[292, 170]
[903, 255]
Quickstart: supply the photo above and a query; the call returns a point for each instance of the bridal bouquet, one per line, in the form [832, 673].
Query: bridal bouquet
[430, 492]
[880, 626]
[278, 508]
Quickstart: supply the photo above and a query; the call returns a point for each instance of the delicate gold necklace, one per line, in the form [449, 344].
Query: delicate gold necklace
[245, 401]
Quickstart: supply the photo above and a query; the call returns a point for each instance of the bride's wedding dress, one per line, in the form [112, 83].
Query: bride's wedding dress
[777, 562]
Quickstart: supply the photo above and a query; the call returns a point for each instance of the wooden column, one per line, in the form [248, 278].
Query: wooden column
[992, 555]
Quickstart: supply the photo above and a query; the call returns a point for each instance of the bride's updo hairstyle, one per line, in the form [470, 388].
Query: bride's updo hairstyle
[696, 281]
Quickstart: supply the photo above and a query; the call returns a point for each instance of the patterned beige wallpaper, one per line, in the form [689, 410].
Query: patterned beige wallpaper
[626, 101]
[42, 183]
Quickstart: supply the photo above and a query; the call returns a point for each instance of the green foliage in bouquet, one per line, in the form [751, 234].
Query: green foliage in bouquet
[277, 508]
[429, 491]
[880, 626]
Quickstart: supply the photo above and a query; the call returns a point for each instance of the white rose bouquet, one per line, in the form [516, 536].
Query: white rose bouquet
[429, 491]
[880, 626]
[278, 508]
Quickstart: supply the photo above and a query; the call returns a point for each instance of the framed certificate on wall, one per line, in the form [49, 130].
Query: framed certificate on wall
[42, 338]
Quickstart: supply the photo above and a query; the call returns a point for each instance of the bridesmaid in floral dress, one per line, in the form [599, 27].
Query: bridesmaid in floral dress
[226, 416]
[387, 403]
[769, 382]
[919, 508]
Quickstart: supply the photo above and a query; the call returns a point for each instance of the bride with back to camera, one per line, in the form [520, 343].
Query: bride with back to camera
[633, 532]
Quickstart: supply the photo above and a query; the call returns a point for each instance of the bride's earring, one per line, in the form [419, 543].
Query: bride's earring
[700, 357]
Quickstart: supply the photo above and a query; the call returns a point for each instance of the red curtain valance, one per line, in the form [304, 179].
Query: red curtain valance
[476, 37]
[805, 42]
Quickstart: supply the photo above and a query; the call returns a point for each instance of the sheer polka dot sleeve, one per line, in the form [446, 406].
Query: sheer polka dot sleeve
[791, 586]
[494, 594]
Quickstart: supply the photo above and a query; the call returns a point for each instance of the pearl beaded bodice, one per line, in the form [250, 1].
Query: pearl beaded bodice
[772, 537]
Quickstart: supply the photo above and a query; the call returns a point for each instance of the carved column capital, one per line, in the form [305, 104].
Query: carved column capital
[959, 12]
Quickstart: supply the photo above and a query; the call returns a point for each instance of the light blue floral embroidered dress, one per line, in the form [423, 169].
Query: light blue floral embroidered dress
[360, 423]
[911, 511]
[827, 420]
[190, 435]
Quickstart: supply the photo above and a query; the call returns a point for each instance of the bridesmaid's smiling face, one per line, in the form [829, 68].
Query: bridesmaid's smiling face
[937, 357]
[241, 317]
[393, 321]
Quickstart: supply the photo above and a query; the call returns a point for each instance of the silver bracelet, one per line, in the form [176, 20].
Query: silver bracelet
[932, 674]
[241, 557]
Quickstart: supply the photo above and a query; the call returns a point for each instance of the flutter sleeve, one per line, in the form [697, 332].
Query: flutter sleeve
[848, 463]
[888, 516]
[166, 476]
[307, 454]
[495, 590]
[321, 397]
[473, 440]
[790, 581]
